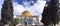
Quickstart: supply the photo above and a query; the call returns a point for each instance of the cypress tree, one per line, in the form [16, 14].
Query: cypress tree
[6, 12]
[49, 15]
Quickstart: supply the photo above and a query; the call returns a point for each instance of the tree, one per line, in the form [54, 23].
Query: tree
[13, 22]
[49, 15]
[6, 11]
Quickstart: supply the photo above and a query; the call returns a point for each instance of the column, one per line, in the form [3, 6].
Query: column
[37, 20]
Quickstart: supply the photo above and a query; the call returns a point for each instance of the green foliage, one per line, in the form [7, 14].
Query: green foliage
[50, 13]
[6, 12]
[13, 22]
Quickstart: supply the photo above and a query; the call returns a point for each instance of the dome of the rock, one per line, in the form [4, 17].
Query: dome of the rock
[26, 13]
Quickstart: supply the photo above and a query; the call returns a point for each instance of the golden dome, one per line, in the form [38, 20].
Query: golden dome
[26, 13]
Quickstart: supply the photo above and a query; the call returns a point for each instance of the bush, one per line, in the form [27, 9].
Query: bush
[13, 22]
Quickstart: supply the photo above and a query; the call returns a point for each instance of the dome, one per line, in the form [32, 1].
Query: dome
[26, 13]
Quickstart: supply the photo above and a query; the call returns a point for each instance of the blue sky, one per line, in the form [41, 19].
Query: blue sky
[34, 6]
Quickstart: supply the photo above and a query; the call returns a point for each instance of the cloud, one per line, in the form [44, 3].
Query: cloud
[36, 9]
[43, 0]
[18, 8]
[1, 2]
[28, 1]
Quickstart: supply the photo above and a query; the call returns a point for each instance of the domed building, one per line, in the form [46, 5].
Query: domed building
[26, 18]
[26, 13]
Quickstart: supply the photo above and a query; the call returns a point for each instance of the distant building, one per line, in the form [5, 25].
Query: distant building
[26, 18]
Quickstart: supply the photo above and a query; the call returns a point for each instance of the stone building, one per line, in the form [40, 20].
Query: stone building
[26, 18]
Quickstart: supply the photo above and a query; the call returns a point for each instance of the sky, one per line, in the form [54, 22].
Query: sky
[34, 6]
